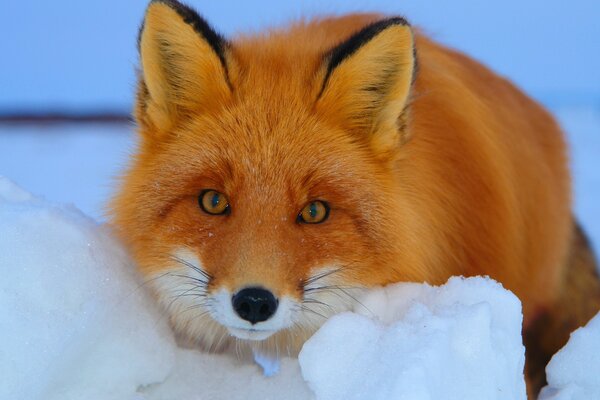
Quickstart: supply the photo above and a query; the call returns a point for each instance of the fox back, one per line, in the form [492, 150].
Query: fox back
[279, 173]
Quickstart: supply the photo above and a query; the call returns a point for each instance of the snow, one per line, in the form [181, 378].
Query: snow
[67, 163]
[413, 341]
[573, 371]
[75, 324]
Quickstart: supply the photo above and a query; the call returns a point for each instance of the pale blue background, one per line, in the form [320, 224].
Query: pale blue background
[80, 55]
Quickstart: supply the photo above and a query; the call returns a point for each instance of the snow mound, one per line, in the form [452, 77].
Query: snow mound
[573, 372]
[73, 324]
[414, 341]
[76, 323]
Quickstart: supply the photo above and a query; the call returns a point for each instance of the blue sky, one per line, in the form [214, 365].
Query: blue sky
[81, 55]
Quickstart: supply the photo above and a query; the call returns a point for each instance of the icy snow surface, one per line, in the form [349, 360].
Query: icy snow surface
[73, 324]
[76, 323]
[574, 372]
[460, 341]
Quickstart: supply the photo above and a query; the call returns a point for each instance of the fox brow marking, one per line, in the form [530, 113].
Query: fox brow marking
[349, 46]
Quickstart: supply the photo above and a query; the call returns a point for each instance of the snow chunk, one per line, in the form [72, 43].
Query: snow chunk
[74, 324]
[573, 371]
[201, 376]
[412, 341]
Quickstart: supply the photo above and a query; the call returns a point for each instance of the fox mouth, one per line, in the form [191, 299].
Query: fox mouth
[249, 314]
[251, 333]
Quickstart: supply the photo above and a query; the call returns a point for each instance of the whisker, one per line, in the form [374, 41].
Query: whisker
[198, 295]
[357, 301]
[314, 301]
[192, 266]
[218, 344]
[308, 309]
[203, 313]
[238, 352]
[176, 297]
[205, 283]
[319, 288]
[142, 284]
[320, 276]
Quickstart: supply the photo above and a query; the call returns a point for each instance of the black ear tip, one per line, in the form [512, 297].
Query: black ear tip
[371, 30]
[170, 3]
[176, 5]
[397, 20]
[200, 25]
[354, 42]
[181, 9]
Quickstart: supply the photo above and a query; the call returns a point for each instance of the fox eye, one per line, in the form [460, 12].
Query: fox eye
[314, 212]
[213, 202]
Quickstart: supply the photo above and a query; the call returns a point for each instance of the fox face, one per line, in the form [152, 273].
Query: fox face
[278, 175]
[264, 193]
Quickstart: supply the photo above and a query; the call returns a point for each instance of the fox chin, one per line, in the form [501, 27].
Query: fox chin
[253, 316]
[280, 174]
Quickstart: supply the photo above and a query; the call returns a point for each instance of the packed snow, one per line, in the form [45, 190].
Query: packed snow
[76, 323]
[460, 341]
[573, 372]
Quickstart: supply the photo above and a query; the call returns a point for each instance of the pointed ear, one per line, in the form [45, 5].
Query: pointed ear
[183, 66]
[367, 81]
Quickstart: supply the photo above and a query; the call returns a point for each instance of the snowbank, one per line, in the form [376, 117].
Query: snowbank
[574, 372]
[458, 341]
[75, 323]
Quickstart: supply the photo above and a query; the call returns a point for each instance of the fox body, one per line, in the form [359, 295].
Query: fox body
[277, 174]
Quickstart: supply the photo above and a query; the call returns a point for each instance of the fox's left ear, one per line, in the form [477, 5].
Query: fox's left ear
[184, 66]
[367, 81]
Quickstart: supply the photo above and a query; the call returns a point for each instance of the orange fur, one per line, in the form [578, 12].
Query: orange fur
[458, 173]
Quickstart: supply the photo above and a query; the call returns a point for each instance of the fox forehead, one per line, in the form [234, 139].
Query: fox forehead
[289, 58]
[279, 154]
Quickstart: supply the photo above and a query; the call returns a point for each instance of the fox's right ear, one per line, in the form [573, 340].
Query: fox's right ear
[183, 66]
[367, 81]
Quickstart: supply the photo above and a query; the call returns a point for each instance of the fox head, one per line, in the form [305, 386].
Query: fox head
[265, 190]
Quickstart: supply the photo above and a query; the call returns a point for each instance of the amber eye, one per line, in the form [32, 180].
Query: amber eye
[213, 202]
[314, 212]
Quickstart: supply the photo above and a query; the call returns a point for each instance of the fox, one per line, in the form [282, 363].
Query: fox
[280, 173]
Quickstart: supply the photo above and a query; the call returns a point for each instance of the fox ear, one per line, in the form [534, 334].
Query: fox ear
[183, 66]
[367, 81]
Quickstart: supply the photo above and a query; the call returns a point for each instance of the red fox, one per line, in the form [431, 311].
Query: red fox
[278, 173]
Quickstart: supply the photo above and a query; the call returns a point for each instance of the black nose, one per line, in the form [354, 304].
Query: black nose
[254, 304]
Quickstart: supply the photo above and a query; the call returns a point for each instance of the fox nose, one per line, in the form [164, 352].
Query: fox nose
[254, 304]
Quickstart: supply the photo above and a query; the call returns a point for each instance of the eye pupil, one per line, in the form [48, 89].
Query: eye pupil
[215, 200]
[313, 210]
